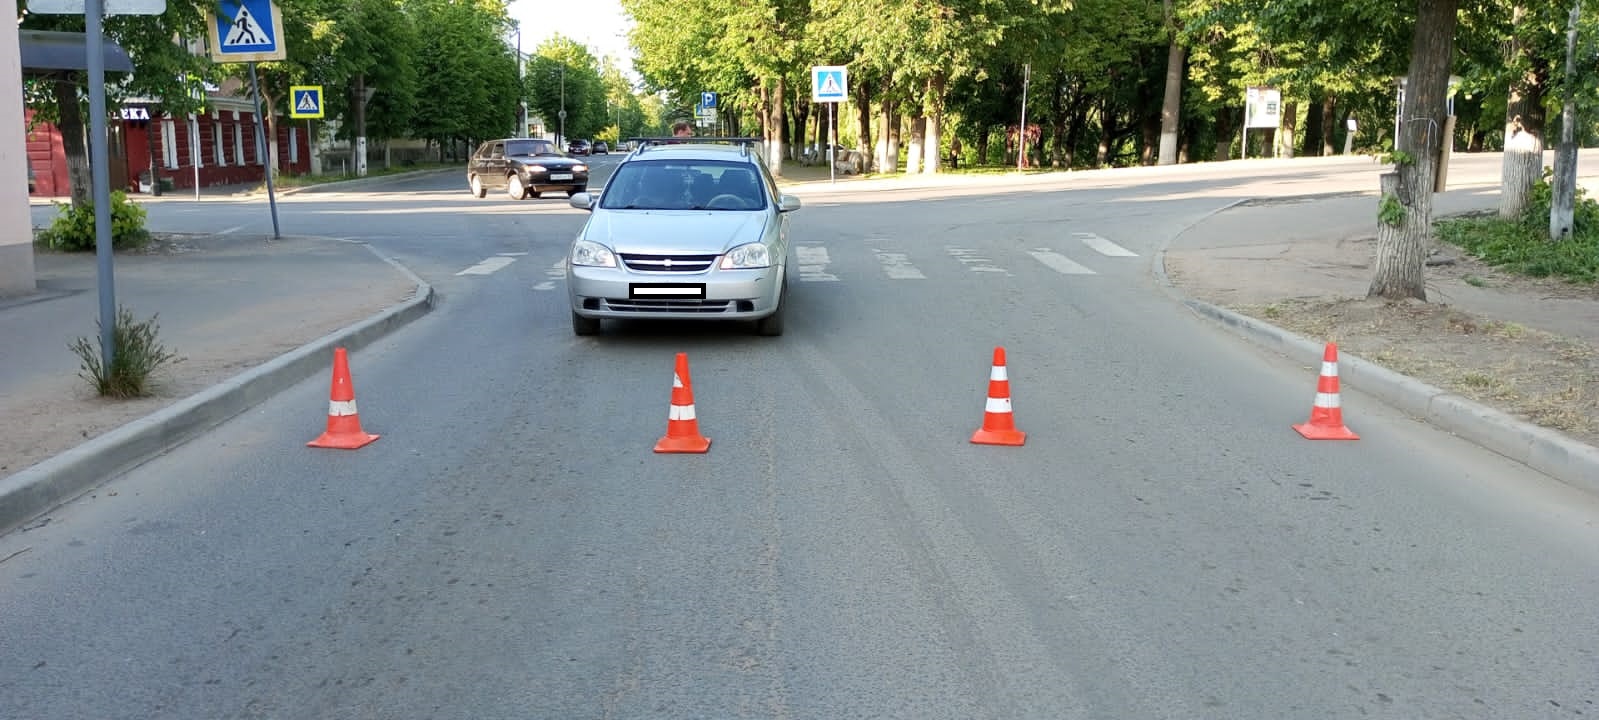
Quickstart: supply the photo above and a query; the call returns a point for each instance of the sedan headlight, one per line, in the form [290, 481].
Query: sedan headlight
[752, 255]
[580, 168]
[592, 254]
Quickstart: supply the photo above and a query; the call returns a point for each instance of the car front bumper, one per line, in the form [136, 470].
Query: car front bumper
[598, 292]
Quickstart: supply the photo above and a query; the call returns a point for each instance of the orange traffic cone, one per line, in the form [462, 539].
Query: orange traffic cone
[682, 427]
[998, 426]
[344, 423]
[1327, 414]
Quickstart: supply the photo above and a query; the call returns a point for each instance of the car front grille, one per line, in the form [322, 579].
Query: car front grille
[673, 306]
[668, 263]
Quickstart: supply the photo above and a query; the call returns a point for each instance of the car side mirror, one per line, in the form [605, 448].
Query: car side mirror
[583, 201]
[788, 203]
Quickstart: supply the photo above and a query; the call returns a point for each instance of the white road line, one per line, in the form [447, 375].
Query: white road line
[1103, 246]
[231, 230]
[1059, 263]
[488, 266]
[973, 261]
[898, 266]
[813, 263]
[520, 254]
[554, 272]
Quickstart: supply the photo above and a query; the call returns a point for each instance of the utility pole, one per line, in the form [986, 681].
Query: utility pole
[1021, 139]
[560, 138]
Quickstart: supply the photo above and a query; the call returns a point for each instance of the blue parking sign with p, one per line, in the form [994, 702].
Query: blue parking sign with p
[707, 100]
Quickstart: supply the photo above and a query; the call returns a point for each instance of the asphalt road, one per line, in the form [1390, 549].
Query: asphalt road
[1164, 546]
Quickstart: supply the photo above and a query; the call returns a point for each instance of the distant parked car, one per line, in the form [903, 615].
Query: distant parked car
[601, 148]
[578, 147]
[525, 167]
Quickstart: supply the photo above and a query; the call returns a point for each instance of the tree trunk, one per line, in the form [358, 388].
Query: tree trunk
[1224, 134]
[1313, 130]
[1289, 131]
[1563, 196]
[891, 113]
[74, 143]
[1057, 116]
[1402, 245]
[913, 151]
[1329, 124]
[1074, 132]
[149, 143]
[935, 122]
[1171, 104]
[863, 118]
[1107, 133]
[887, 155]
[779, 120]
[1522, 164]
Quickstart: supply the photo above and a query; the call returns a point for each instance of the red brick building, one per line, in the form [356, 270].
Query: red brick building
[225, 153]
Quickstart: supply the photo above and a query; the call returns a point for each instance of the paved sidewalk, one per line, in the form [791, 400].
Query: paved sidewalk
[1293, 274]
[226, 306]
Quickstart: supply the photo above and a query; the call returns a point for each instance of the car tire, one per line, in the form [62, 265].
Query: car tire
[477, 187]
[514, 187]
[534, 194]
[585, 326]
[772, 325]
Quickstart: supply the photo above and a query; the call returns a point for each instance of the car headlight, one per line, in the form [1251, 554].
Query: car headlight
[592, 254]
[537, 169]
[580, 168]
[752, 255]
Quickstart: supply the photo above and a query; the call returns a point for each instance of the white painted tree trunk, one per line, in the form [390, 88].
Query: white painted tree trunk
[1519, 171]
[930, 154]
[913, 151]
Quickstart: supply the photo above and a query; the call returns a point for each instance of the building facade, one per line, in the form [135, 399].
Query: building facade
[217, 147]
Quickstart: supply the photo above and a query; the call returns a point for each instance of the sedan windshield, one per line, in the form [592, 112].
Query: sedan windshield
[683, 185]
[530, 147]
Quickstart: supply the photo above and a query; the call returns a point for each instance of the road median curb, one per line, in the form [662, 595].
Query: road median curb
[53, 482]
[1547, 451]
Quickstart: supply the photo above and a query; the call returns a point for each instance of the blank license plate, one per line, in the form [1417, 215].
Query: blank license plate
[560, 176]
[638, 291]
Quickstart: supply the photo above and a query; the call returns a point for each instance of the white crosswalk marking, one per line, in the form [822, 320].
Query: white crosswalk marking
[488, 266]
[974, 261]
[898, 266]
[553, 273]
[1103, 246]
[1060, 263]
[813, 263]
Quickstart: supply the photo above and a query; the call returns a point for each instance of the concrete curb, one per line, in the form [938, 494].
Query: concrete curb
[355, 183]
[1547, 451]
[49, 484]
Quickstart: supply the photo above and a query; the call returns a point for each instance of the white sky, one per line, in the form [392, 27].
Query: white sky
[599, 24]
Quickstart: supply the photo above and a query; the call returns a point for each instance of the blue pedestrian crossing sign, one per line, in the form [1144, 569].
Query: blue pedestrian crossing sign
[708, 100]
[829, 83]
[245, 31]
[305, 101]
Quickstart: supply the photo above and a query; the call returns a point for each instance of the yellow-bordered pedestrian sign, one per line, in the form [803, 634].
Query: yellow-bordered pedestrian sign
[305, 101]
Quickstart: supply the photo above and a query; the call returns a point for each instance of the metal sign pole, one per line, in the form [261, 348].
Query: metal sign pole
[261, 148]
[100, 177]
[832, 131]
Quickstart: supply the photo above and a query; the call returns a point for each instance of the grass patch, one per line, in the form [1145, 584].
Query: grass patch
[284, 180]
[138, 354]
[1522, 246]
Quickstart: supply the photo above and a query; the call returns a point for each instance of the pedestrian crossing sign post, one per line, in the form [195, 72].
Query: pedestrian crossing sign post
[246, 31]
[829, 83]
[305, 101]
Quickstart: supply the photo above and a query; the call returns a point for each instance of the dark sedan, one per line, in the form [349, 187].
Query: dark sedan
[524, 167]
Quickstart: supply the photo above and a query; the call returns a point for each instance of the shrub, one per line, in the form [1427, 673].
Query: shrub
[138, 355]
[73, 229]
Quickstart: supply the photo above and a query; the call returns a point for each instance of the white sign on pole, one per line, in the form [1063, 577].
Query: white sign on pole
[829, 83]
[112, 7]
[1263, 107]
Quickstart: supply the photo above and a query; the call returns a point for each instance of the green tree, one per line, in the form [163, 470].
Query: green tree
[564, 75]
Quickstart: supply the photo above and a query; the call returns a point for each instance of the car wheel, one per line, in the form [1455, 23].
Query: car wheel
[514, 188]
[772, 325]
[477, 187]
[585, 326]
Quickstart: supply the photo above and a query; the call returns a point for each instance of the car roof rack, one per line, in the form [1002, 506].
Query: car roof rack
[744, 143]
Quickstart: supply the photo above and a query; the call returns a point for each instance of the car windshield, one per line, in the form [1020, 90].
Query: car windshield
[530, 147]
[683, 185]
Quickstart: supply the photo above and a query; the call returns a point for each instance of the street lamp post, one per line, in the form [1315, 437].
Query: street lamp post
[561, 138]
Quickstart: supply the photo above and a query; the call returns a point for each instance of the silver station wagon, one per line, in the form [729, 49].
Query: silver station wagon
[687, 228]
